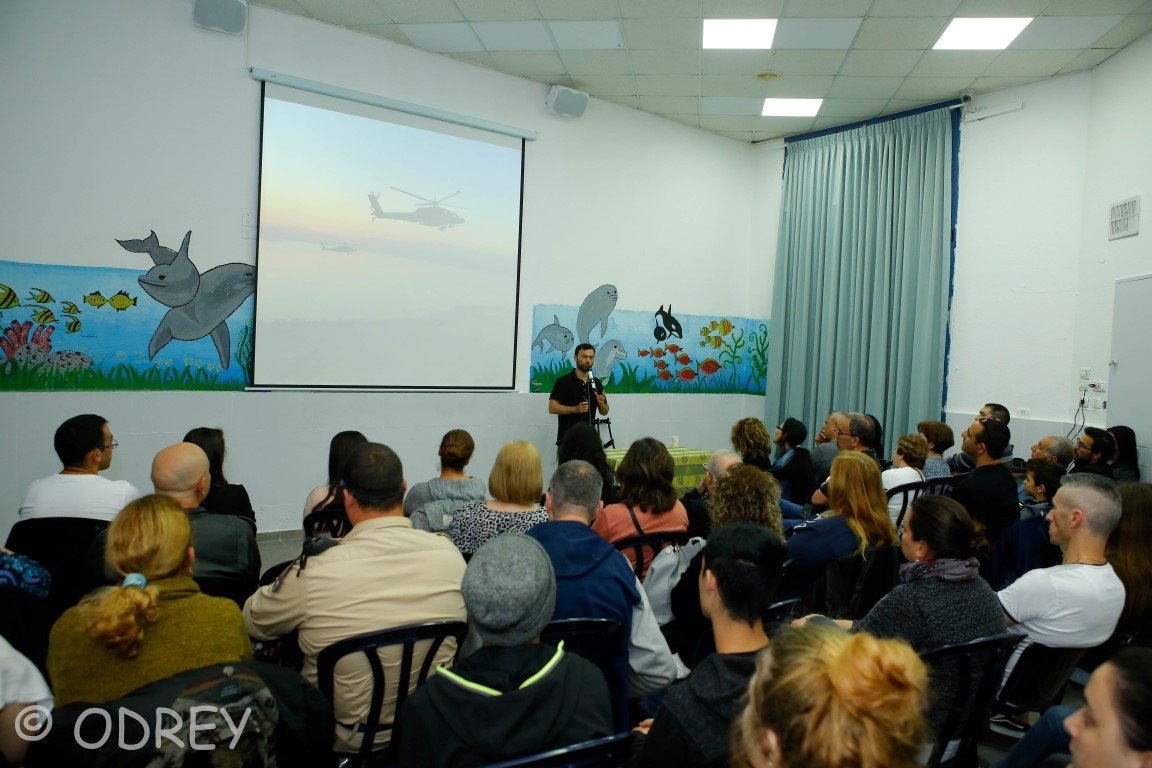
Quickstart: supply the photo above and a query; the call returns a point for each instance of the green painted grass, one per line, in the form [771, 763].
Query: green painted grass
[630, 379]
[120, 377]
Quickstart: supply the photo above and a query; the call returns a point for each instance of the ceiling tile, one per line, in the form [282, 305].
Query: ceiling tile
[900, 33]
[528, 63]
[624, 101]
[824, 123]
[732, 85]
[288, 6]
[1081, 8]
[812, 34]
[954, 63]
[585, 9]
[421, 11]
[1029, 63]
[812, 9]
[1049, 33]
[729, 105]
[640, 9]
[807, 62]
[880, 63]
[514, 35]
[557, 80]
[903, 105]
[933, 88]
[648, 34]
[596, 62]
[744, 136]
[688, 119]
[864, 87]
[347, 12]
[450, 37]
[671, 105]
[743, 9]
[667, 85]
[799, 87]
[1001, 9]
[666, 62]
[914, 7]
[735, 62]
[587, 35]
[728, 122]
[988, 84]
[482, 58]
[611, 85]
[386, 31]
[785, 124]
[1090, 58]
[498, 10]
[859, 109]
[1127, 31]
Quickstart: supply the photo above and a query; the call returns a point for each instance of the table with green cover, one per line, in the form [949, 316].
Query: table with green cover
[689, 470]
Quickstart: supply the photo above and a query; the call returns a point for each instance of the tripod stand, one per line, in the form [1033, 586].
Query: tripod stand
[606, 422]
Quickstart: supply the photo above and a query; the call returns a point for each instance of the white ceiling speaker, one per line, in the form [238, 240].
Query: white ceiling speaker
[566, 102]
[221, 15]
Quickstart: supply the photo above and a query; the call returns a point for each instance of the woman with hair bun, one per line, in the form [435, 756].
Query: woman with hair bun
[453, 484]
[154, 625]
[822, 698]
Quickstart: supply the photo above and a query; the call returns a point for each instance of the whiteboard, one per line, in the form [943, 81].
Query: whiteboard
[1130, 380]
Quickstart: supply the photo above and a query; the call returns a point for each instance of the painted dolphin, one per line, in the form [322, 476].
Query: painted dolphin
[200, 303]
[555, 334]
[670, 323]
[151, 246]
[595, 310]
[606, 357]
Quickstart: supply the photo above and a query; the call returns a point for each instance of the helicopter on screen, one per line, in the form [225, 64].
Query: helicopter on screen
[430, 213]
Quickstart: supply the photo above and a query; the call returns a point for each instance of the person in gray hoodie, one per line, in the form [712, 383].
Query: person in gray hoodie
[430, 504]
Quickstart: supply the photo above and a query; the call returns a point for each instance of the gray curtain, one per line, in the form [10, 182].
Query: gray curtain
[860, 302]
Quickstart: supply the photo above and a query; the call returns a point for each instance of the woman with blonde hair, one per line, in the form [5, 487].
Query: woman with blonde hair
[516, 484]
[154, 625]
[822, 698]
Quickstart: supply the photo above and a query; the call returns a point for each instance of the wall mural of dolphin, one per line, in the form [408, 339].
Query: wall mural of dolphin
[200, 303]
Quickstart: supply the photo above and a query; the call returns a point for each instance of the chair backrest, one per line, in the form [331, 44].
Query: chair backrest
[606, 751]
[977, 667]
[645, 546]
[369, 644]
[1038, 678]
[60, 544]
[331, 522]
[780, 612]
[940, 486]
[600, 641]
[851, 585]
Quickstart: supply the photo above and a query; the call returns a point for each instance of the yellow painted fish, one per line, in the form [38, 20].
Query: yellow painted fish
[73, 325]
[725, 327]
[8, 297]
[96, 299]
[43, 315]
[121, 301]
[70, 308]
[40, 296]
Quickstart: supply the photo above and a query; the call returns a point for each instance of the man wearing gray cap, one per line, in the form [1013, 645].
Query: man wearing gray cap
[515, 695]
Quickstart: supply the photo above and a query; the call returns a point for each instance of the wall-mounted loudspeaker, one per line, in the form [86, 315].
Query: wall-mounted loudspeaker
[566, 102]
[221, 15]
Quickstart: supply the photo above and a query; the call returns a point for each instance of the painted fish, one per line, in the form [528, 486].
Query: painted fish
[121, 301]
[683, 359]
[73, 325]
[725, 327]
[643, 352]
[686, 374]
[703, 343]
[594, 310]
[665, 375]
[716, 341]
[709, 367]
[559, 337]
[705, 331]
[42, 315]
[70, 308]
[713, 325]
[661, 364]
[95, 299]
[673, 348]
[8, 297]
[40, 296]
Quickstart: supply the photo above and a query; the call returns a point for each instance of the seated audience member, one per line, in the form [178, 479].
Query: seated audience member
[697, 500]
[1094, 451]
[516, 695]
[154, 624]
[825, 449]
[793, 465]
[1056, 449]
[1078, 603]
[439, 497]
[328, 495]
[21, 686]
[1024, 545]
[582, 442]
[940, 439]
[1125, 462]
[223, 497]
[24, 573]
[965, 462]
[383, 574]
[822, 698]
[941, 599]
[84, 445]
[647, 500]
[1041, 481]
[856, 521]
[516, 483]
[877, 437]
[1128, 551]
[857, 436]
[750, 439]
[907, 467]
[594, 581]
[741, 569]
[988, 492]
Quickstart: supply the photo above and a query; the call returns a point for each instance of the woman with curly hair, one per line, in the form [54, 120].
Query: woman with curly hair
[155, 624]
[751, 440]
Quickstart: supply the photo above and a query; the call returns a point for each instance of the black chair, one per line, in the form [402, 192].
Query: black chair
[977, 666]
[1037, 680]
[272, 573]
[851, 585]
[941, 486]
[370, 644]
[606, 751]
[600, 641]
[331, 522]
[60, 544]
[24, 624]
[780, 612]
[646, 546]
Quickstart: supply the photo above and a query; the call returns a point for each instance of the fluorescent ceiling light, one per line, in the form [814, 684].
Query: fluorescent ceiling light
[791, 107]
[739, 33]
[980, 34]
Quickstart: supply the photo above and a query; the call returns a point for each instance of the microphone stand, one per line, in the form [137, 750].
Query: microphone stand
[593, 410]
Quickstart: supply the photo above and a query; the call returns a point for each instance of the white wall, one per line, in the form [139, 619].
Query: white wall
[120, 116]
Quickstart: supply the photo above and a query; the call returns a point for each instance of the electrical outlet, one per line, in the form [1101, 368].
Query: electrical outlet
[1096, 403]
[1098, 387]
[248, 233]
[250, 221]
[1085, 374]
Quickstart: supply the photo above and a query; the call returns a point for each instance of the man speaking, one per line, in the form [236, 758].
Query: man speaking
[573, 393]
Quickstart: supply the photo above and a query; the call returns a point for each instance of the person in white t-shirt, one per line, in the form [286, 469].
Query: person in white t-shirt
[1075, 604]
[21, 686]
[907, 467]
[85, 445]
